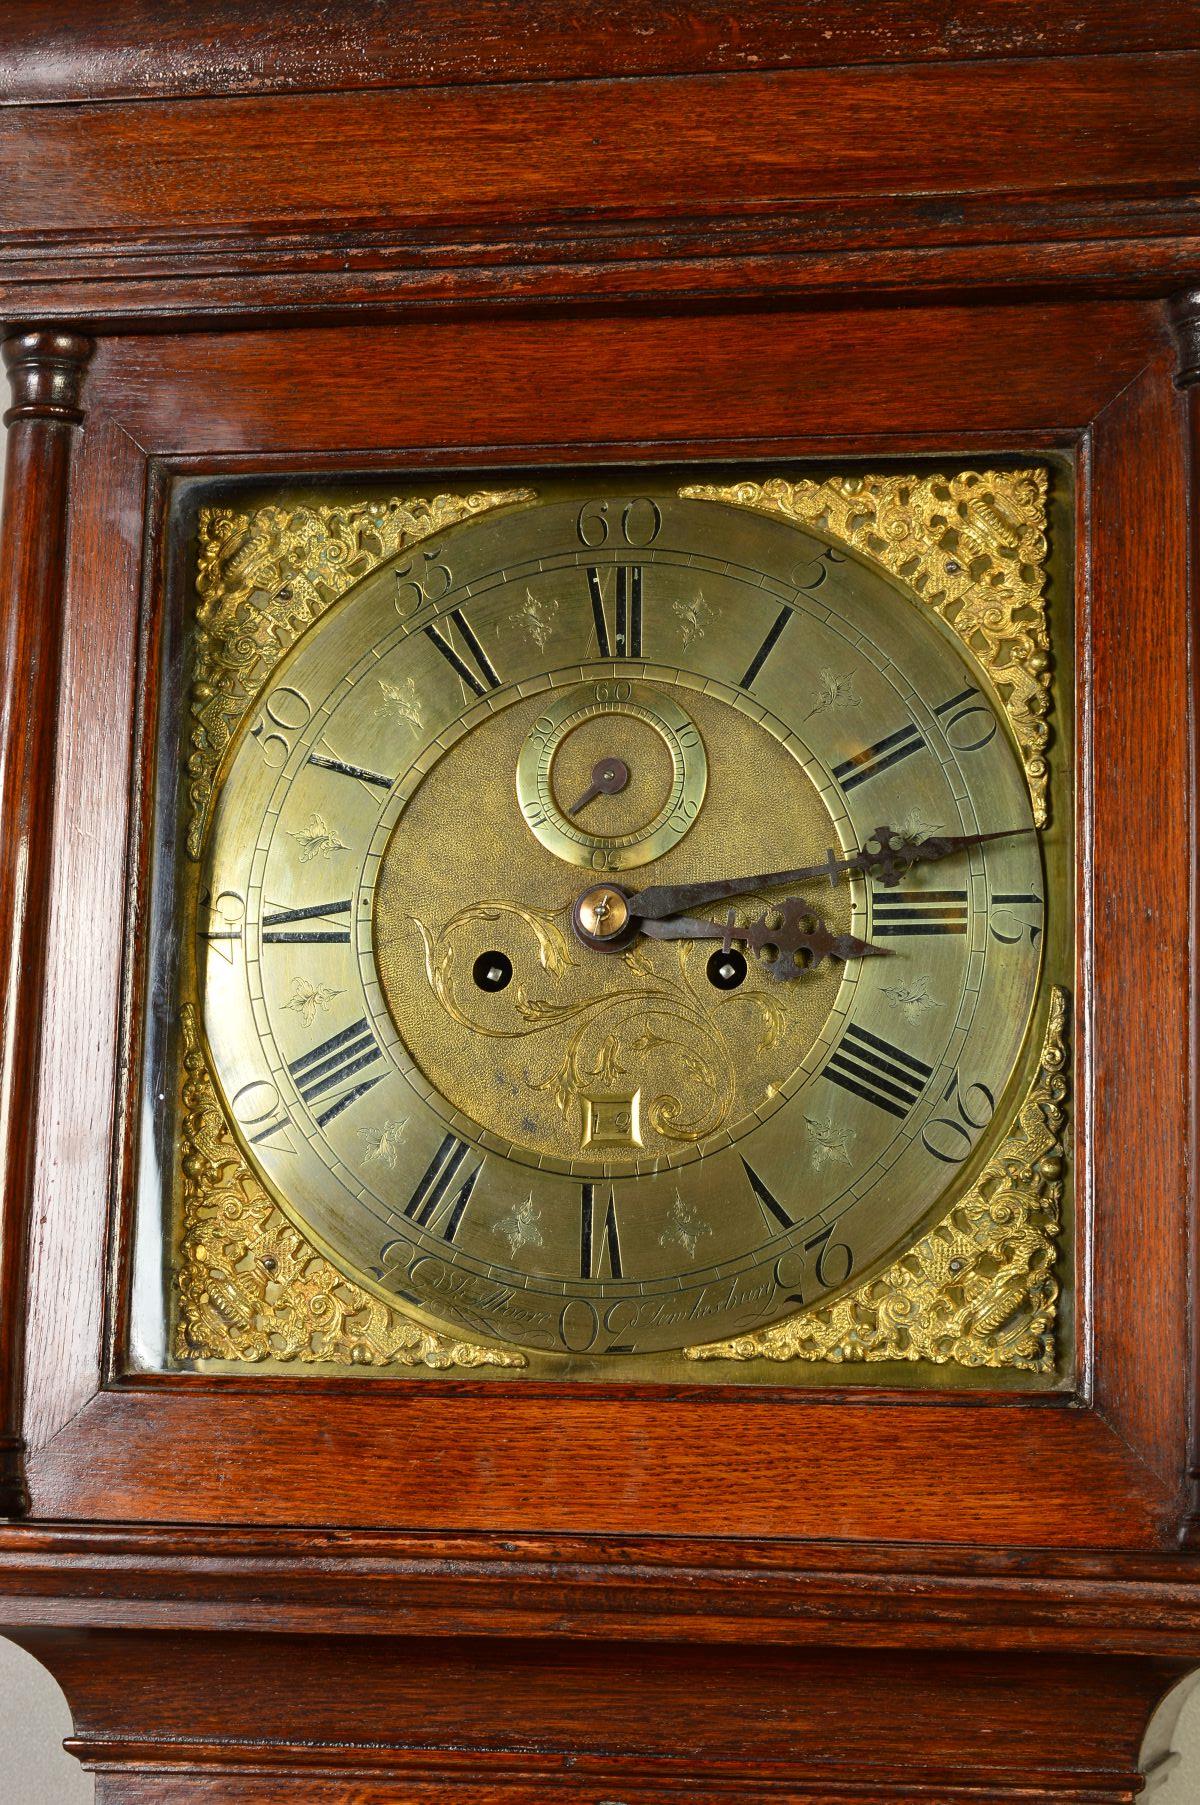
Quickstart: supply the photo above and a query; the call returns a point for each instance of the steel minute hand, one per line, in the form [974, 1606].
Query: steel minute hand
[886, 856]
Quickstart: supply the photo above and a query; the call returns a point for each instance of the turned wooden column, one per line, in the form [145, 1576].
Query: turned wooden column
[1185, 323]
[46, 373]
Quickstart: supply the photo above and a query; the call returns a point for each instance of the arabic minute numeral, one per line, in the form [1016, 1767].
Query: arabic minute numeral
[833, 1266]
[599, 1240]
[472, 663]
[258, 1107]
[328, 1075]
[1008, 927]
[636, 523]
[973, 1109]
[278, 925]
[286, 712]
[422, 580]
[860, 767]
[625, 638]
[872, 1068]
[438, 1202]
[226, 912]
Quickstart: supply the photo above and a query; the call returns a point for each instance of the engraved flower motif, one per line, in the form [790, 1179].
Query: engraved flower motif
[829, 1142]
[539, 613]
[520, 1227]
[401, 700]
[383, 1144]
[317, 839]
[694, 617]
[307, 998]
[834, 690]
[685, 1228]
[911, 997]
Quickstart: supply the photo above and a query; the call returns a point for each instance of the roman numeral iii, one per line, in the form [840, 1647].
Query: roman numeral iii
[872, 1068]
[898, 913]
[625, 638]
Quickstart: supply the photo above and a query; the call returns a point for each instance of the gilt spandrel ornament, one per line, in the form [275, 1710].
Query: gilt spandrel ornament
[972, 546]
[980, 1290]
[252, 1288]
[264, 577]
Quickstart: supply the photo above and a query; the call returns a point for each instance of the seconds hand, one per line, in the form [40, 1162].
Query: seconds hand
[886, 857]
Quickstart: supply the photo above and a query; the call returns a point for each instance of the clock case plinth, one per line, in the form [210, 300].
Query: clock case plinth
[256, 1587]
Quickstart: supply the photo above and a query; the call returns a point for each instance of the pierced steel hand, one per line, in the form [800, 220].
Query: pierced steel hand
[788, 930]
[609, 776]
[886, 856]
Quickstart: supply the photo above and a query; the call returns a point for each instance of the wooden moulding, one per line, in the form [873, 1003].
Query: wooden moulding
[1185, 329]
[46, 374]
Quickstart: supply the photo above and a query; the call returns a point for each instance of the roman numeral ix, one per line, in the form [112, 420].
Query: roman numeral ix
[885, 753]
[335, 1063]
[625, 639]
[872, 1068]
[902, 912]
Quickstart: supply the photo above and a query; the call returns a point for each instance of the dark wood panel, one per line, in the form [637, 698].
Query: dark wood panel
[87, 928]
[651, 380]
[651, 1589]
[700, 146]
[46, 372]
[135, 48]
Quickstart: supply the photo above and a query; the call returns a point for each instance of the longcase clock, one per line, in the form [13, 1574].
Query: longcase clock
[598, 889]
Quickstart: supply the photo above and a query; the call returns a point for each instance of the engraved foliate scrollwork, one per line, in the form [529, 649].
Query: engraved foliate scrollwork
[654, 1021]
[252, 1288]
[264, 577]
[971, 545]
[979, 1290]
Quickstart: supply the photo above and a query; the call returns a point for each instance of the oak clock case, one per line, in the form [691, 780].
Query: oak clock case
[621, 925]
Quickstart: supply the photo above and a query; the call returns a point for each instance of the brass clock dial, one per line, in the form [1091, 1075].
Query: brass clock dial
[458, 1054]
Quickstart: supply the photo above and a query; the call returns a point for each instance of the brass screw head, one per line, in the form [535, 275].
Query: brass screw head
[603, 912]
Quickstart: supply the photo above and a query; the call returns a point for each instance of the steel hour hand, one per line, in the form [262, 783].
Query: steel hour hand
[797, 940]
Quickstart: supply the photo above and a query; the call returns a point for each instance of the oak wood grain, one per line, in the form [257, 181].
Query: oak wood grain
[473, 1719]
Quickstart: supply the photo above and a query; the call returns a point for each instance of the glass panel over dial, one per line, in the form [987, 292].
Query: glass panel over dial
[625, 918]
